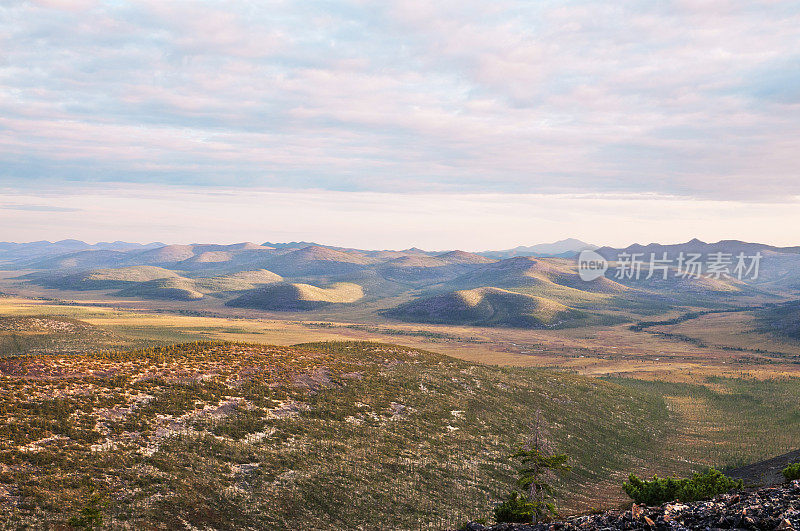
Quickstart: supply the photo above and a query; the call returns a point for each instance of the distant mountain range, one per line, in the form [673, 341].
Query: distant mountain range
[530, 287]
[564, 248]
[697, 246]
[11, 251]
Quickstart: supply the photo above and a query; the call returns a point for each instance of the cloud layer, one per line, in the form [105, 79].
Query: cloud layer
[380, 220]
[695, 98]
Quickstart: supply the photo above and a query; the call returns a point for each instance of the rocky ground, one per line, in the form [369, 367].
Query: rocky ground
[767, 508]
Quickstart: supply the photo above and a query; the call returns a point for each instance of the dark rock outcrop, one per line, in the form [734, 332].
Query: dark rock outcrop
[769, 508]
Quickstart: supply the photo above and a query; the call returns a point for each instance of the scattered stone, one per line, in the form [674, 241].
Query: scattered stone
[774, 508]
[637, 511]
[315, 380]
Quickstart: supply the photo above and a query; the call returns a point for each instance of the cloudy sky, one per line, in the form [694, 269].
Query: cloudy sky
[400, 122]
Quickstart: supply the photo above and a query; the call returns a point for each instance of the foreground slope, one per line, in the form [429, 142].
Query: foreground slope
[332, 435]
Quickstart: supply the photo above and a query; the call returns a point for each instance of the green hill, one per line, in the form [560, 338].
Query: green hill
[102, 279]
[461, 257]
[422, 270]
[259, 276]
[536, 274]
[131, 274]
[179, 289]
[169, 254]
[80, 260]
[315, 260]
[243, 280]
[151, 282]
[782, 319]
[487, 307]
[287, 296]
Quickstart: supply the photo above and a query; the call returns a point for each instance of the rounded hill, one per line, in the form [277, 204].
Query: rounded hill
[487, 307]
[286, 296]
[179, 289]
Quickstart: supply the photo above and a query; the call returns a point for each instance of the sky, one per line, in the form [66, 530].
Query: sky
[388, 124]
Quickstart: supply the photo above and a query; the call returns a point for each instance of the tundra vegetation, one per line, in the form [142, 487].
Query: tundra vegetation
[230, 435]
[701, 486]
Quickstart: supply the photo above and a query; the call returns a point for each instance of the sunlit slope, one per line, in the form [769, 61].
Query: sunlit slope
[108, 278]
[549, 277]
[315, 260]
[232, 436]
[151, 282]
[487, 307]
[179, 289]
[296, 296]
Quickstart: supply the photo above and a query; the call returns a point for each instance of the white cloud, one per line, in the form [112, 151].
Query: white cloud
[478, 221]
[680, 98]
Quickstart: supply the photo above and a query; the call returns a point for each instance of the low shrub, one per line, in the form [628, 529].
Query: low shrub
[516, 509]
[701, 486]
[792, 471]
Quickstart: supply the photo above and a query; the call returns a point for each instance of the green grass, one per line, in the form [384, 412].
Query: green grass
[384, 434]
[729, 422]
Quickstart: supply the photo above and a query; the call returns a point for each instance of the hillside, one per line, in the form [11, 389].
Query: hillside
[422, 270]
[51, 335]
[487, 307]
[461, 257]
[152, 282]
[225, 257]
[534, 273]
[25, 252]
[79, 260]
[169, 254]
[778, 271]
[319, 436]
[98, 279]
[315, 260]
[179, 289]
[767, 472]
[241, 281]
[783, 319]
[286, 296]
